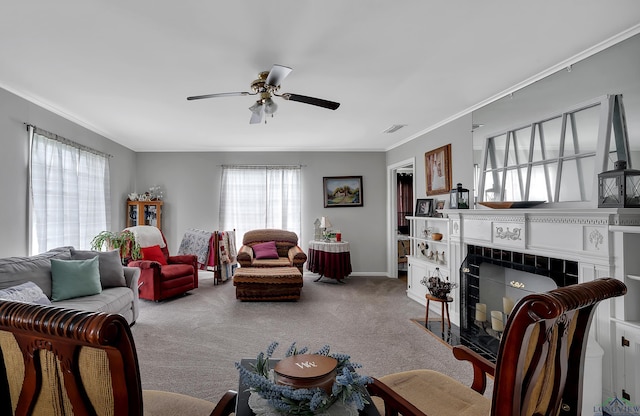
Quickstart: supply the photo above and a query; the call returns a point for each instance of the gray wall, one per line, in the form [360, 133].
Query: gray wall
[458, 134]
[191, 182]
[615, 70]
[14, 112]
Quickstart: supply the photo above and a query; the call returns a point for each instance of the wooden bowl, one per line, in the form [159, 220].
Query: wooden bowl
[306, 371]
[436, 236]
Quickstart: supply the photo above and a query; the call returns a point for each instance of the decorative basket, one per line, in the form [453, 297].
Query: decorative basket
[437, 286]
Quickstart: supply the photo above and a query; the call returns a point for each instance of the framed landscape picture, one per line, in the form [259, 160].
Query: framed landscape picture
[342, 191]
[437, 165]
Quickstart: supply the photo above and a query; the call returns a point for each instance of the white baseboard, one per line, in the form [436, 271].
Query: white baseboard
[353, 274]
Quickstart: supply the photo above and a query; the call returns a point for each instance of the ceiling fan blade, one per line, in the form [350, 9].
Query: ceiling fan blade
[222, 94]
[257, 113]
[277, 74]
[331, 105]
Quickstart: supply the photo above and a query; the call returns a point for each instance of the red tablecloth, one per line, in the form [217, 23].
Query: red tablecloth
[332, 260]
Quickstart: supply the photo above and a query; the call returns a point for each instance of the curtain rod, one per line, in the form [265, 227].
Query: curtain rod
[66, 141]
[263, 166]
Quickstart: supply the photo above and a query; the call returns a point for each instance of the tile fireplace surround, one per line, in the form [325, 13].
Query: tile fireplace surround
[601, 242]
[490, 276]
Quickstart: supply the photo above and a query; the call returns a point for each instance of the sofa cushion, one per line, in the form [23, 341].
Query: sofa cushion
[27, 292]
[74, 278]
[279, 262]
[110, 300]
[154, 253]
[110, 266]
[266, 250]
[37, 269]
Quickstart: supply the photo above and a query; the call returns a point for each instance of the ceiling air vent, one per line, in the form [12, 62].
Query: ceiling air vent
[394, 128]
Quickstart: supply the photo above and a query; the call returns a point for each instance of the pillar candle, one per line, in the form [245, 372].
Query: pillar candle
[496, 321]
[481, 312]
[507, 305]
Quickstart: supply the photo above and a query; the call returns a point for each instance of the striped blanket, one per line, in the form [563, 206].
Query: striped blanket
[227, 253]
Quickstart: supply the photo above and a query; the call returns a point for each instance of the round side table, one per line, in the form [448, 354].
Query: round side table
[444, 303]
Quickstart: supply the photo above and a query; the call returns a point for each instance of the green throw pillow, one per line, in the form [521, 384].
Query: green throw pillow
[74, 278]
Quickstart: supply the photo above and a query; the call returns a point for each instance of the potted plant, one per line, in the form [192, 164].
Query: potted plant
[125, 241]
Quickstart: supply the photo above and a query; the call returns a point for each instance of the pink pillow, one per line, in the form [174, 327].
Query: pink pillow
[265, 250]
[154, 253]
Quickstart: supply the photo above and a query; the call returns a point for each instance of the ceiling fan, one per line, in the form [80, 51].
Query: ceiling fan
[268, 85]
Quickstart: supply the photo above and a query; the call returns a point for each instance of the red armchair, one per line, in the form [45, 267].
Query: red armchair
[161, 281]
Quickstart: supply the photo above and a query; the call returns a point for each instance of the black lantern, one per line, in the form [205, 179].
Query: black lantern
[619, 188]
[459, 197]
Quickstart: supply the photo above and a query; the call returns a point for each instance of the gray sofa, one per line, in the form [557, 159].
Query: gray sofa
[119, 285]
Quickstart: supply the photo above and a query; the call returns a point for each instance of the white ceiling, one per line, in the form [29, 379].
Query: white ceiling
[124, 68]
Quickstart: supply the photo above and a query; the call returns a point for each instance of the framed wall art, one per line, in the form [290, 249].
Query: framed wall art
[439, 204]
[342, 191]
[437, 164]
[424, 207]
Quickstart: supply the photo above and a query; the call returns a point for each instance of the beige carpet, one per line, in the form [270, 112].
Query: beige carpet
[189, 344]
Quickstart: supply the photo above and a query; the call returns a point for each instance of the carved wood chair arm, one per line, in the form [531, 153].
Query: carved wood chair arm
[226, 405]
[393, 402]
[481, 366]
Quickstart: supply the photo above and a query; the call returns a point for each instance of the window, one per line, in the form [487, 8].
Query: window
[555, 159]
[253, 197]
[70, 193]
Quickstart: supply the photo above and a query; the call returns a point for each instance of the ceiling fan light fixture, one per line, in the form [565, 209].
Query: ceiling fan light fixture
[255, 108]
[270, 107]
[257, 112]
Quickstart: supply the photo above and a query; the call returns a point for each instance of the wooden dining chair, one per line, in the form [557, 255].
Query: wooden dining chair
[539, 368]
[56, 361]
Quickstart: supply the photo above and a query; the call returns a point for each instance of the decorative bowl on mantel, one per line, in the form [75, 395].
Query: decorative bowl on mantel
[511, 204]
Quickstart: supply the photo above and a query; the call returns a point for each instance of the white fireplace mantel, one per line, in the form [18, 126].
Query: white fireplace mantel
[572, 234]
[604, 242]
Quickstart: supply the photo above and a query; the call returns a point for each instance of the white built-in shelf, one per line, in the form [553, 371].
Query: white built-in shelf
[428, 240]
[629, 229]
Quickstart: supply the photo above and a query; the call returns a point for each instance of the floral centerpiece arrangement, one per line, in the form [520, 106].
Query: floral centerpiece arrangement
[348, 387]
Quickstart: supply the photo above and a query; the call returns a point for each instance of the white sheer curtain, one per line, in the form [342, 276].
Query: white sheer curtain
[70, 193]
[254, 197]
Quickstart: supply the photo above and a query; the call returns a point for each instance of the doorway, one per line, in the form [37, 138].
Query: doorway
[400, 188]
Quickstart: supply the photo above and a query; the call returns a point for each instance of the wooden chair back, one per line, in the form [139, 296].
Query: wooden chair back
[65, 362]
[540, 363]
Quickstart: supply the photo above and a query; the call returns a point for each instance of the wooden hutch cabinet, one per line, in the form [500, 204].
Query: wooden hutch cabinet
[144, 213]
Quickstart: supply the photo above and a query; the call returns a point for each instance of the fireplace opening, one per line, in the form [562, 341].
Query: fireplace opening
[492, 281]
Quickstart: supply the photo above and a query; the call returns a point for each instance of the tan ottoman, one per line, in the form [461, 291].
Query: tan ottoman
[267, 283]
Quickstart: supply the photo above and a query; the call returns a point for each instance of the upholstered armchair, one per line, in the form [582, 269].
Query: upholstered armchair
[68, 362]
[162, 276]
[539, 369]
[257, 249]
